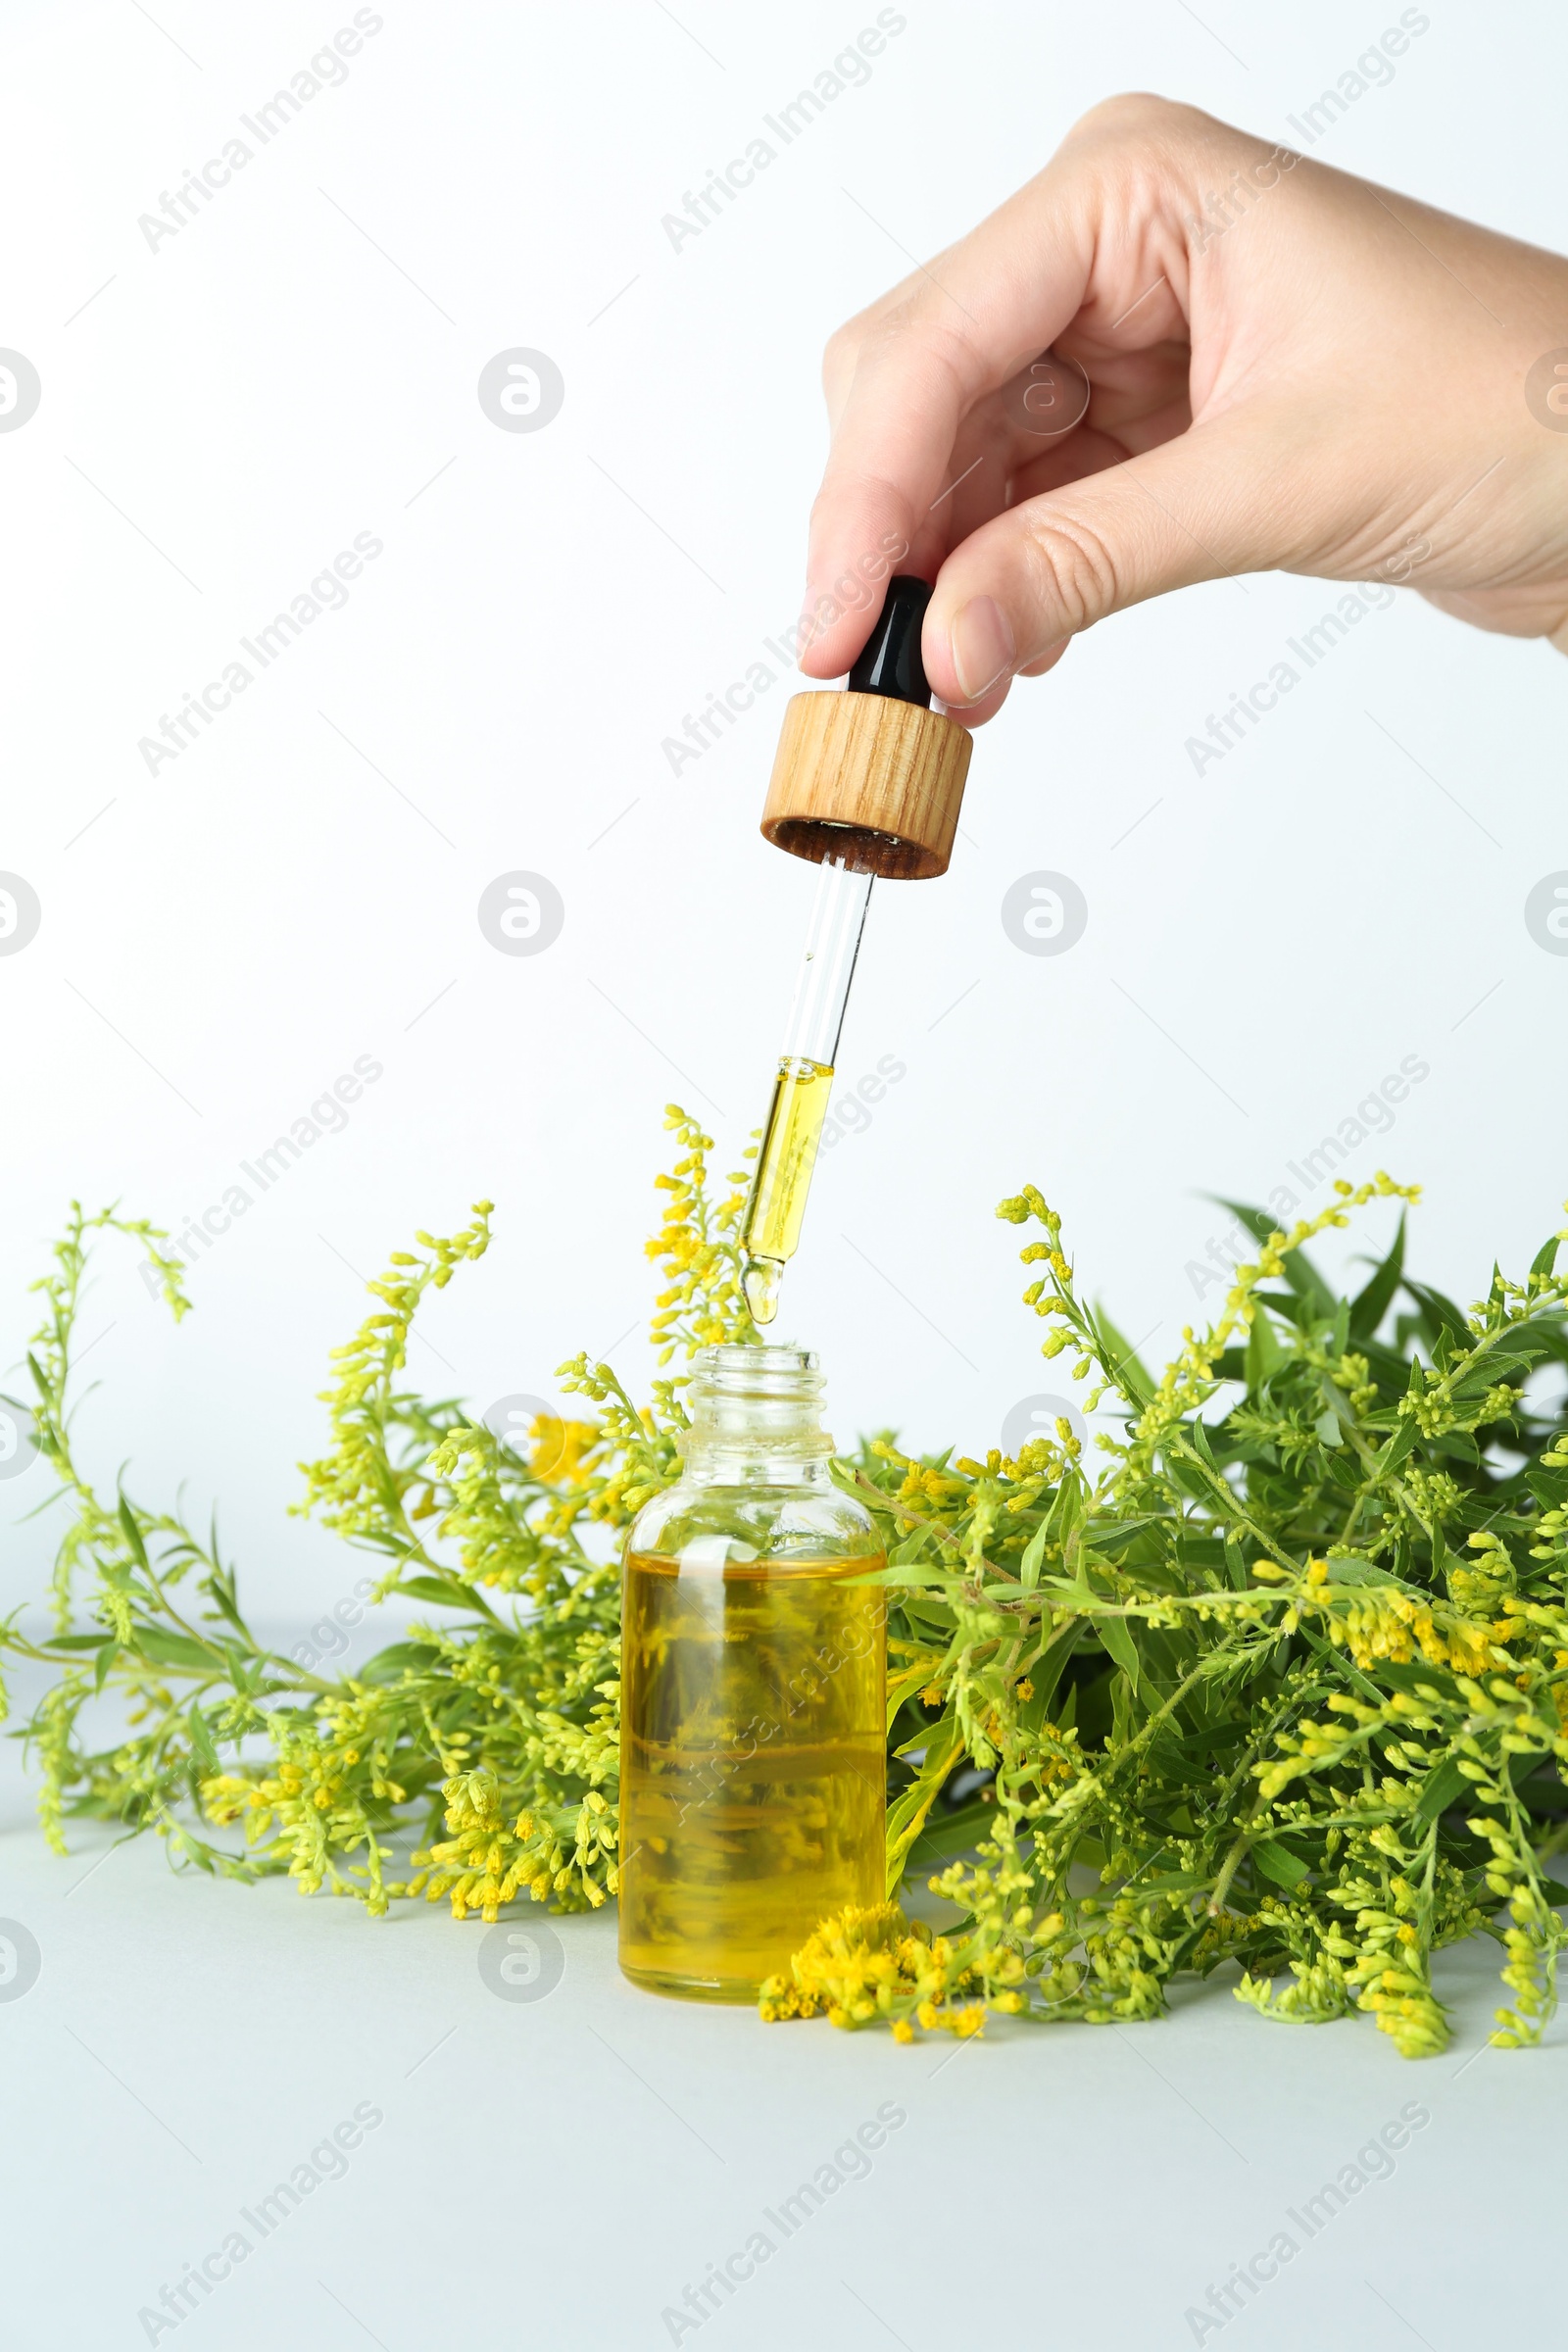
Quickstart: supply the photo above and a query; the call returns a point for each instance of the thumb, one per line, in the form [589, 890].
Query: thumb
[1202, 506]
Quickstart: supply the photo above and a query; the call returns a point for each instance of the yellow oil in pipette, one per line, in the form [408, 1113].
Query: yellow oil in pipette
[771, 1229]
[784, 1165]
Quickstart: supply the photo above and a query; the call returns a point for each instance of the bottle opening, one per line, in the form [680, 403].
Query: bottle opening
[742, 1356]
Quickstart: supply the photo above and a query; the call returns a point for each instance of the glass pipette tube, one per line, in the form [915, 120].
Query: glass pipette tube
[775, 1211]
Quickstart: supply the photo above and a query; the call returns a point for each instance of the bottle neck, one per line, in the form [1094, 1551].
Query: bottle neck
[737, 1467]
[756, 1419]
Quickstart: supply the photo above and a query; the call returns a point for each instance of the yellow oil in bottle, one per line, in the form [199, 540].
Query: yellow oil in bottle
[753, 1783]
[772, 1230]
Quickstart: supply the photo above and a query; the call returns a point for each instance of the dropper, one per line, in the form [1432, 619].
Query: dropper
[805, 1080]
[865, 783]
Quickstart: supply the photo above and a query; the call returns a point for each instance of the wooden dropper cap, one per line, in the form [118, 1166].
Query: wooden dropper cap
[872, 775]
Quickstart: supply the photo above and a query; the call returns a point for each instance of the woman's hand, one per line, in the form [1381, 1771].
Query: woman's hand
[1260, 363]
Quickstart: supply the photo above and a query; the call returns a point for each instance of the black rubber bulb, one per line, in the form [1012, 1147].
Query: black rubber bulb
[890, 663]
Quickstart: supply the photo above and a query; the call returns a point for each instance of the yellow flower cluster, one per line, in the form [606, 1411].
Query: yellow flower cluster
[1383, 1624]
[485, 1864]
[1094, 1647]
[308, 1809]
[704, 1303]
[349, 1486]
[875, 1964]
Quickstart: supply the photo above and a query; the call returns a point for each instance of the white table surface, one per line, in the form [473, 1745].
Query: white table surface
[556, 2170]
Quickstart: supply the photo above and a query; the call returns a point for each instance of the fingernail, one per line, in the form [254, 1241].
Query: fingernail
[981, 645]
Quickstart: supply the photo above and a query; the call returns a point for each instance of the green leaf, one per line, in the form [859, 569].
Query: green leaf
[201, 1739]
[1403, 1442]
[1034, 1553]
[1371, 1304]
[1070, 1591]
[1045, 1674]
[221, 1587]
[1416, 1677]
[948, 1835]
[1116, 1635]
[1132, 1378]
[1438, 1315]
[1277, 1863]
[1440, 1559]
[445, 1591]
[907, 1817]
[1068, 1511]
[921, 1574]
[1494, 1366]
[138, 1549]
[166, 1648]
[912, 1547]
[1198, 1438]
[1366, 1572]
[1173, 1889]
[1264, 1354]
[1443, 1786]
[388, 1664]
[1191, 1464]
[1298, 1269]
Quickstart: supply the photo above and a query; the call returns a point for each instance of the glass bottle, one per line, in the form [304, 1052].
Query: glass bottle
[753, 1778]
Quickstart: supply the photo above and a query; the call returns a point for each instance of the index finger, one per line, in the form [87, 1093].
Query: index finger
[904, 376]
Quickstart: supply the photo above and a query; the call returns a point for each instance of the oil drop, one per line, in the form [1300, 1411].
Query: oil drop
[761, 1282]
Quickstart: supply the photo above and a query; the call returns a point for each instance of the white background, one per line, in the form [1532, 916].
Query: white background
[552, 2174]
[218, 942]
[299, 364]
